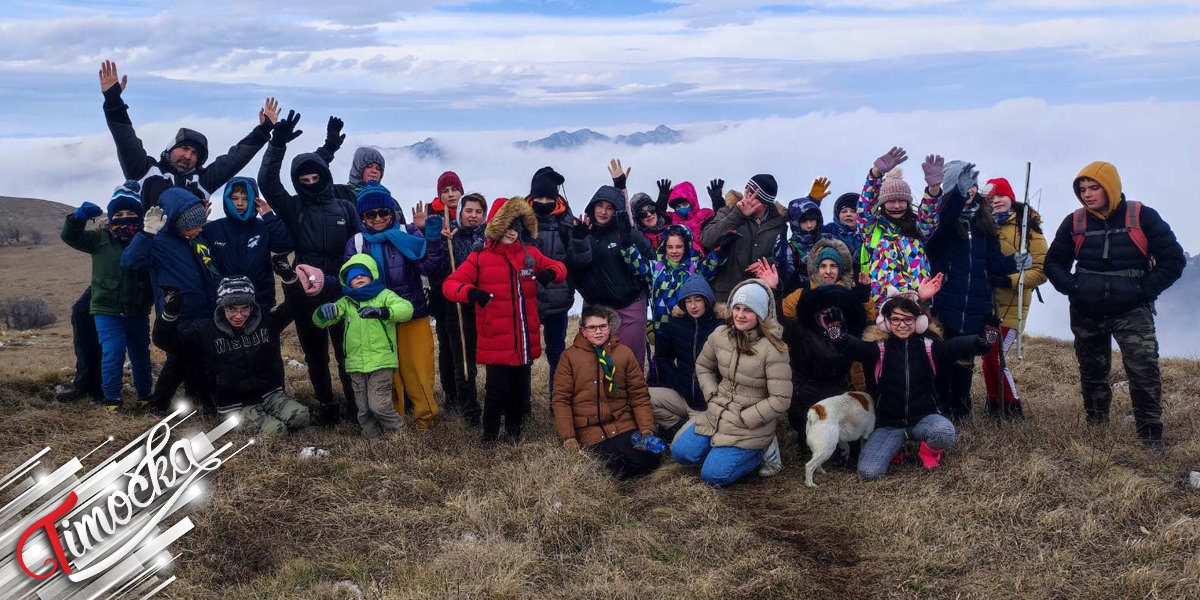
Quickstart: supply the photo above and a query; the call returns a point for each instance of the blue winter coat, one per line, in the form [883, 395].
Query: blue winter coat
[242, 243]
[968, 264]
[171, 261]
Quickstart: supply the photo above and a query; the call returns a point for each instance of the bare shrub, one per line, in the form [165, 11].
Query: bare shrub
[26, 313]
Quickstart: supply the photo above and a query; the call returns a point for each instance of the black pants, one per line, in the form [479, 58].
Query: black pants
[180, 370]
[458, 384]
[954, 384]
[505, 394]
[624, 461]
[315, 343]
[87, 348]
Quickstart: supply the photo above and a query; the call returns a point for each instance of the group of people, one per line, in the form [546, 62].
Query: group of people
[703, 327]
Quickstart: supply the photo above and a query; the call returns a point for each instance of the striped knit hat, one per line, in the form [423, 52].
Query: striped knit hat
[126, 197]
[235, 290]
[765, 186]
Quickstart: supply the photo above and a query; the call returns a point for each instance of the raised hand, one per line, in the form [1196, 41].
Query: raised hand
[87, 211]
[935, 170]
[284, 130]
[333, 133]
[820, 189]
[961, 175]
[617, 173]
[154, 220]
[889, 160]
[312, 279]
[929, 287]
[749, 203]
[419, 213]
[579, 229]
[716, 191]
[109, 78]
[281, 266]
[261, 205]
[172, 300]
[269, 112]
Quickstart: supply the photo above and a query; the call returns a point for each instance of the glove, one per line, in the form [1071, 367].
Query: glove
[728, 240]
[831, 321]
[312, 279]
[820, 189]
[282, 267]
[579, 230]
[285, 130]
[716, 192]
[172, 301]
[664, 190]
[888, 161]
[87, 211]
[333, 134]
[329, 311]
[479, 297]
[375, 312]
[154, 220]
[934, 167]
[988, 337]
[622, 224]
[1022, 261]
[433, 228]
[545, 277]
[960, 175]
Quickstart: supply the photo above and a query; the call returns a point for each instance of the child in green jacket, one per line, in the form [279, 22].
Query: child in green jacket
[371, 312]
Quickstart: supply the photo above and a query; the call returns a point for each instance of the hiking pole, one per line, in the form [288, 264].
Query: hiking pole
[462, 336]
[1021, 276]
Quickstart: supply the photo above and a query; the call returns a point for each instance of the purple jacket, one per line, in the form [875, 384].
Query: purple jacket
[404, 275]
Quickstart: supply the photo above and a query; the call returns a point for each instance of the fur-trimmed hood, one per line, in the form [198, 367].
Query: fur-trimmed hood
[614, 323]
[771, 324]
[846, 273]
[505, 212]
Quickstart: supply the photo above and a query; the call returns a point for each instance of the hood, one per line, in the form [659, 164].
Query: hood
[363, 157]
[802, 207]
[606, 193]
[251, 194]
[173, 201]
[847, 200]
[815, 300]
[683, 191]
[640, 200]
[504, 213]
[695, 285]
[614, 323]
[688, 247]
[251, 325]
[846, 276]
[364, 260]
[322, 170]
[189, 137]
[771, 324]
[1109, 179]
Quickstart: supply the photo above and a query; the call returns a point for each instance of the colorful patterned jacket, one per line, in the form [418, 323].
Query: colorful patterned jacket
[666, 279]
[889, 257]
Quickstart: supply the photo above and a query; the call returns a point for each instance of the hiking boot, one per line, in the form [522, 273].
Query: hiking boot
[772, 464]
[1013, 411]
[328, 415]
[992, 408]
[930, 458]
[1151, 436]
[1096, 418]
[66, 393]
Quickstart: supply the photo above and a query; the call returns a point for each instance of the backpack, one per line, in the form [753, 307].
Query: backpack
[883, 352]
[1133, 227]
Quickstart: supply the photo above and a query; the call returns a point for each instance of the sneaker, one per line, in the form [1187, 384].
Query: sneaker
[65, 393]
[772, 464]
[992, 408]
[1151, 436]
[930, 458]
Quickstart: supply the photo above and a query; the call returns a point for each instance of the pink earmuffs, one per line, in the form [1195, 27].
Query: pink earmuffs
[922, 322]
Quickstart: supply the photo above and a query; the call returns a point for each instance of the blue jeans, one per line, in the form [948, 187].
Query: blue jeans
[935, 430]
[554, 331]
[117, 334]
[719, 466]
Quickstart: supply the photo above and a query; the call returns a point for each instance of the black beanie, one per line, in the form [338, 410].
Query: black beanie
[545, 183]
[848, 200]
[765, 185]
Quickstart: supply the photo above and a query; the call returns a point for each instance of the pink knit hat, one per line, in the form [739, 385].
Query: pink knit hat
[895, 188]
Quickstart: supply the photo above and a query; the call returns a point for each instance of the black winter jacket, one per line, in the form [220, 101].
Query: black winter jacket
[1097, 296]
[553, 239]
[595, 264]
[676, 346]
[969, 265]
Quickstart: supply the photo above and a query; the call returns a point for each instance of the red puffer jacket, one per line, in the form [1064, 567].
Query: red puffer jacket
[509, 332]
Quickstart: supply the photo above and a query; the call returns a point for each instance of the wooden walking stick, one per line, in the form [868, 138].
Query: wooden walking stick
[462, 336]
[1021, 277]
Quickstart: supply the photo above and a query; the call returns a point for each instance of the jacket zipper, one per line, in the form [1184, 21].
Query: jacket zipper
[695, 337]
[962, 324]
[907, 380]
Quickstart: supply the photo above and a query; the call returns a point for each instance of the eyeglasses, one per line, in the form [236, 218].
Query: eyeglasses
[238, 310]
[381, 213]
[905, 321]
[596, 328]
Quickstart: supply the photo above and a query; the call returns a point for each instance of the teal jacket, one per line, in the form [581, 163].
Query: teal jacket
[370, 344]
[116, 291]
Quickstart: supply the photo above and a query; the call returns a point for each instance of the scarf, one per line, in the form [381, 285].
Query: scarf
[607, 367]
[968, 213]
[200, 247]
[410, 246]
[125, 228]
[1001, 217]
[364, 293]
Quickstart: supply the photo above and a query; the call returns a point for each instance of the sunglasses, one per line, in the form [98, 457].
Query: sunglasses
[381, 213]
[646, 213]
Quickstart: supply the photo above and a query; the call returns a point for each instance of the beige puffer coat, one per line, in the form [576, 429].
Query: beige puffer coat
[754, 389]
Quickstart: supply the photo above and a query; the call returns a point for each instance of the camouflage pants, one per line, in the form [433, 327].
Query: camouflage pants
[278, 414]
[1134, 332]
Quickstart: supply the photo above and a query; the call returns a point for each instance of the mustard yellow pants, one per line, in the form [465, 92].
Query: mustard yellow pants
[414, 351]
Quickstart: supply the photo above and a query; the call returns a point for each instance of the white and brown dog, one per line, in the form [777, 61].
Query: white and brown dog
[832, 424]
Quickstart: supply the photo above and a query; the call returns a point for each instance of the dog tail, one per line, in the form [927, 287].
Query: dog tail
[816, 413]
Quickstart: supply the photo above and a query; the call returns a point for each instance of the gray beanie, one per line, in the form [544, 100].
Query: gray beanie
[753, 296]
[191, 217]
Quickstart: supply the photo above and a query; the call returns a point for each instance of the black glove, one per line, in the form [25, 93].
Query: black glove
[374, 312]
[545, 277]
[716, 191]
[283, 267]
[172, 301]
[664, 191]
[620, 180]
[333, 134]
[728, 240]
[479, 297]
[285, 130]
[831, 320]
[622, 223]
[579, 230]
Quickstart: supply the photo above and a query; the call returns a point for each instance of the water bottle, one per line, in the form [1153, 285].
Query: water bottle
[648, 443]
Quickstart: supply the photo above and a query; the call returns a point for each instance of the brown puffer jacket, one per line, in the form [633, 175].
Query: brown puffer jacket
[753, 391]
[583, 409]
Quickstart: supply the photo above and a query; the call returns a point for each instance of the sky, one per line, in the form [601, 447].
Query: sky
[792, 87]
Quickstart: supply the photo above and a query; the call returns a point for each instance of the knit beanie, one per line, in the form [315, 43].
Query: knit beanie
[830, 253]
[849, 200]
[357, 271]
[998, 187]
[126, 197]
[765, 185]
[191, 217]
[449, 179]
[235, 290]
[545, 183]
[373, 196]
[894, 187]
[754, 297]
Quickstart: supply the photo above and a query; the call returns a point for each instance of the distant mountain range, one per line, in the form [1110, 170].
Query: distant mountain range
[561, 140]
[426, 148]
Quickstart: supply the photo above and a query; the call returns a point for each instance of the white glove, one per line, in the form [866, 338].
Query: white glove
[154, 220]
